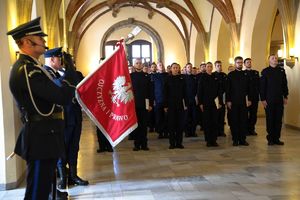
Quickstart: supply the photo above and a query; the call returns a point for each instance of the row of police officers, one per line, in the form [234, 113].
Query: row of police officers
[182, 101]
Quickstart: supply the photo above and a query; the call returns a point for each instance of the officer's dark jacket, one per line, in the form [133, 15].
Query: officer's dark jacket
[255, 82]
[273, 85]
[222, 77]
[174, 92]
[209, 88]
[238, 87]
[41, 137]
[158, 80]
[191, 83]
[142, 89]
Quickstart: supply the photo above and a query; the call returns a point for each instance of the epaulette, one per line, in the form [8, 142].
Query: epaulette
[33, 72]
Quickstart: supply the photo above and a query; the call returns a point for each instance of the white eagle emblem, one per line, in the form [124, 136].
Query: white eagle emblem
[121, 92]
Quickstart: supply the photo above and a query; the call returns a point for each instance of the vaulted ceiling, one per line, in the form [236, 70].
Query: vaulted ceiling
[81, 14]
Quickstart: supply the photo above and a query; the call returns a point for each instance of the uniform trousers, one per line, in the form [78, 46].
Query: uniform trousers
[175, 126]
[72, 135]
[210, 123]
[140, 133]
[252, 116]
[191, 120]
[238, 115]
[274, 113]
[40, 174]
[221, 120]
[160, 120]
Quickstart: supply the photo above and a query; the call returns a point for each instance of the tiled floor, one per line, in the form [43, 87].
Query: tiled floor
[256, 172]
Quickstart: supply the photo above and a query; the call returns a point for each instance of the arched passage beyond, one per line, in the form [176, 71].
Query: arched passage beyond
[132, 23]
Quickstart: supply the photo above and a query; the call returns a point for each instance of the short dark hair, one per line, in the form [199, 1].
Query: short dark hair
[238, 58]
[209, 63]
[246, 60]
[218, 62]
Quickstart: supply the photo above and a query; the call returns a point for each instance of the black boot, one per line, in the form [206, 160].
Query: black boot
[74, 179]
[62, 182]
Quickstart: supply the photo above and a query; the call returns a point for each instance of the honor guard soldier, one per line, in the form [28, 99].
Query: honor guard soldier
[38, 98]
[252, 109]
[222, 78]
[238, 97]
[73, 119]
[141, 85]
[210, 98]
[175, 104]
[274, 95]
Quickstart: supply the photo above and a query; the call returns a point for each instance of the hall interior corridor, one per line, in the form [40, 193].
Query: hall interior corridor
[256, 172]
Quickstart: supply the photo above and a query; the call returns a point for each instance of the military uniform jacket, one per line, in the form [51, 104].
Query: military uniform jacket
[209, 88]
[255, 82]
[238, 87]
[273, 85]
[222, 77]
[174, 92]
[41, 137]
[191, 83]
[142, 89]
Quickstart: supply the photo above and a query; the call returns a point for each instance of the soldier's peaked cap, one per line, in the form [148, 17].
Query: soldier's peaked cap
[30, 28]
[56, 52]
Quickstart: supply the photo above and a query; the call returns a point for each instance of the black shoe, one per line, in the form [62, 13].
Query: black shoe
[222, 135]
[145, 148]
[214, 144]
[110, 150]
[271, 143]
[136, 149]
[244, 143]
[74, 179]
[235, 144]
[194, 135]
[208, 144]
[279, 142]
[253, 133]
[171, 147]
[180, 146]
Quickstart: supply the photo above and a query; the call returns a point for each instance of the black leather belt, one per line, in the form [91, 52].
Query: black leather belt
[53, 116]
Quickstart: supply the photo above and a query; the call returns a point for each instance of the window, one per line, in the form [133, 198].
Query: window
[110, 47]
[140, 49]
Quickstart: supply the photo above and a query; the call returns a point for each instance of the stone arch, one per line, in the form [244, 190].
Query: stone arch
[131, 23]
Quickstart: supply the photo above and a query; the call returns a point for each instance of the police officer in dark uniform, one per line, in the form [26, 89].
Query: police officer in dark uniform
[222, 77]
[274, 95]
[175, 104]
[238, 97]
[38, 98]
[158, 79]
[141, 85]
[191, 83]
[210, 98]
[199, 76]
[73, 120]
[252, 109]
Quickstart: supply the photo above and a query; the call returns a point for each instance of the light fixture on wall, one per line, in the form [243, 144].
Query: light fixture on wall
[291, 60]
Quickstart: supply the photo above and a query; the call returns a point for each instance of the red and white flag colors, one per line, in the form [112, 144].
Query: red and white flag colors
[106, 96]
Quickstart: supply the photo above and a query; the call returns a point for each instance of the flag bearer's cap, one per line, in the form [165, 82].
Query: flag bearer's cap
[30, 28]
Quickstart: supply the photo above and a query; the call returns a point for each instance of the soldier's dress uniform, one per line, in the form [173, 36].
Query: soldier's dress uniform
[191, 83]
[222, 77]
[273, 88]
[38, 98]
[237, 92]
[252, 109]
[175, 100]
[210, 95]
[141, 85]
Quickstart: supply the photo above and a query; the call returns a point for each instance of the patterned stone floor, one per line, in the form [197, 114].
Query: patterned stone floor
[256, 172]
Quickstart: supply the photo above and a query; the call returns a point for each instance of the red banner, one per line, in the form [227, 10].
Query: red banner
[107, 98]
